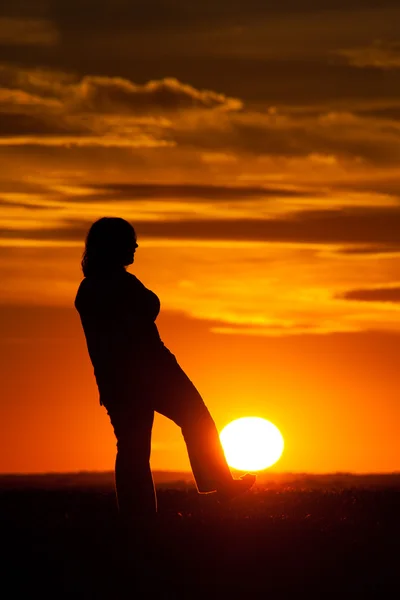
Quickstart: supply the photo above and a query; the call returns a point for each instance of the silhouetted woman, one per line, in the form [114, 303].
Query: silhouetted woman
[137, 375]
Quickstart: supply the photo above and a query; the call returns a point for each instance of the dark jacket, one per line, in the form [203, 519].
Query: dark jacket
[118, 316]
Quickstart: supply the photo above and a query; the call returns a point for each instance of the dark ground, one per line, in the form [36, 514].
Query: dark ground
[308, 537]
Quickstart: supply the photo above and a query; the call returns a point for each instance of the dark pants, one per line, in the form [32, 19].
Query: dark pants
[165, 388]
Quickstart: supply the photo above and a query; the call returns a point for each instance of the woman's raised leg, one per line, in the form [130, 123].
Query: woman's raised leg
[178, 399]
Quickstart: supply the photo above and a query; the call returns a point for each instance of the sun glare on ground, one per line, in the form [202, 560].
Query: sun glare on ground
[251, 444]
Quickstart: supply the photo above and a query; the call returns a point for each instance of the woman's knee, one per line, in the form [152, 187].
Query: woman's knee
[134, 447]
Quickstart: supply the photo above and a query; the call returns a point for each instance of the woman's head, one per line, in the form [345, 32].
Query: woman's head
[110, 245]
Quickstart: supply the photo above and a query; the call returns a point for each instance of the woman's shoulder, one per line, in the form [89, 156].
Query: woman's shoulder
[96, 288]
[87, 285]
[87, 289]
[101, 289]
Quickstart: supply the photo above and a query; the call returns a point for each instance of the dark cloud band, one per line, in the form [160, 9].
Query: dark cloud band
[198, 192]
[365, 226]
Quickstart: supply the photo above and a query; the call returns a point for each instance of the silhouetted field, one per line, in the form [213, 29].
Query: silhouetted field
[293, 536]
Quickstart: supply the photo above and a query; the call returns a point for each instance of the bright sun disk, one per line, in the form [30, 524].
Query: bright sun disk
[251, 444]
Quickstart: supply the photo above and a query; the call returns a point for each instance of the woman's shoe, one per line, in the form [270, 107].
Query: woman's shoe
[236, 487]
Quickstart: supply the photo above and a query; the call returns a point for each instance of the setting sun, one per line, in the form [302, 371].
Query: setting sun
[251, 443]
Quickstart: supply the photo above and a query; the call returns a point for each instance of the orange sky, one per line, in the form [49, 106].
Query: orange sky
[255, 150]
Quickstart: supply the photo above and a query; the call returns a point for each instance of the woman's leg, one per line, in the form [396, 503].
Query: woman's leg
[177, 398]
[133, 479]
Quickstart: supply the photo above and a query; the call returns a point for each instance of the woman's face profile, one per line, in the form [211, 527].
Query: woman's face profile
[130, 251]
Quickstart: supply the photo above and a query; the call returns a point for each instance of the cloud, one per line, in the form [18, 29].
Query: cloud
[383, 294]
[282, 330]
[341, 134]
[326, 227]
[41, 82]
[38, 107]
[176, 191]
[27, 129]
[116, 112]
[361, 226]
[387, 184]
[235, 137]
[256, 51]
[12, 98]
[372, 250]
[117, 95]
[12, 203]
[16, 31]
[381, 55]
[139, 141]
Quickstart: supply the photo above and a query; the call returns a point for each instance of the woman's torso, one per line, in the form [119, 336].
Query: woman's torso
[118, 316]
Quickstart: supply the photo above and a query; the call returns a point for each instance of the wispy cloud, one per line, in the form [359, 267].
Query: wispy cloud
[117, 95]
[381, 294]
[242, 289]
[261, 167]
[131, 192]
[29, 31]
[38, 106]
[364, 226]
[108, 141]
[96, 111]
[380, 55]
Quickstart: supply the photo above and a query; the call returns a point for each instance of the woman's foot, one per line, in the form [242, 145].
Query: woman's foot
[236, 487]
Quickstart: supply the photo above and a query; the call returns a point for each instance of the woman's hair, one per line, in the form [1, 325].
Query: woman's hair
[108, 244]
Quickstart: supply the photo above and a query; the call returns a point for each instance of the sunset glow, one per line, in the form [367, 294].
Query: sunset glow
[252, 444]
[255, 148]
